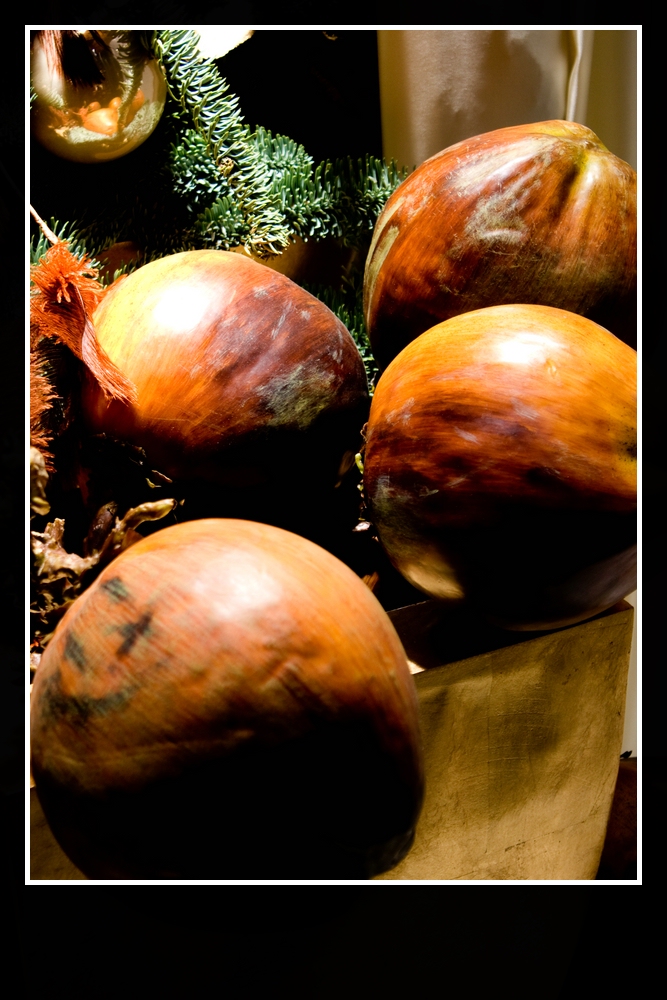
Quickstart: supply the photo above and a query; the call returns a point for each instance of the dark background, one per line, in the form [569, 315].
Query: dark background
[323, 948]
[320, 89]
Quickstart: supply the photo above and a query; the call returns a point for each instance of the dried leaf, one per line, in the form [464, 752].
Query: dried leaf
[58, 572]
[51, 560]
[123, 533]
[101, 525]
[39, 477]
[58, 576]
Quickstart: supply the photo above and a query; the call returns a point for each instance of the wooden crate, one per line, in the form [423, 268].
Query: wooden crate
[522, 736]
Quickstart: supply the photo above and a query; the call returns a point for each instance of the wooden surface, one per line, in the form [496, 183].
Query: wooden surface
[522, 747]
[522, 736]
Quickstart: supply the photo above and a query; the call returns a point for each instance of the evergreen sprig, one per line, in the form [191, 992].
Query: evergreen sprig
[220, 226]
[194, 174]
[71, 233]
[365, 186]
[341, 199]
[196, 85]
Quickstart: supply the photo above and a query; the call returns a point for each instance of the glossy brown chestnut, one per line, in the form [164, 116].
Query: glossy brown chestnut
[227, 701]
[246, 383]
[539, 213]
[500, 465]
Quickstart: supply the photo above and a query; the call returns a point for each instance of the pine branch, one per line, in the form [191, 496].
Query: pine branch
[362, 188]
[196, 85]
[213, 183]
[70, 233]
[220, 226]
[196, 178]
[341, 199]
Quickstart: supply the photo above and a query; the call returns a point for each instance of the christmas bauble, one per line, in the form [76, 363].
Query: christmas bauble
[97, 95]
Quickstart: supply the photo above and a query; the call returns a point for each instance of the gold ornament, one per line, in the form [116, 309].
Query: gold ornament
[98, 94]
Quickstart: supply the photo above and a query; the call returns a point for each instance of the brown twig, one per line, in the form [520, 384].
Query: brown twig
[50, 235]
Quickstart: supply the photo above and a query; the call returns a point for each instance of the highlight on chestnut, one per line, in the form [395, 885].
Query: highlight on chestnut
[227, 701]
[500, 465]
[541, 213]
[251, 393]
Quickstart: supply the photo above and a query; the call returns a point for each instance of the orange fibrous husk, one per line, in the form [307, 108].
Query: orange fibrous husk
[65, 294]
[41, 396]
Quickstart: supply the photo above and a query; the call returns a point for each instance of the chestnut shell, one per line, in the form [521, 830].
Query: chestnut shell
[227, 701]
[500, 465]
[251, 394]
[541, 213]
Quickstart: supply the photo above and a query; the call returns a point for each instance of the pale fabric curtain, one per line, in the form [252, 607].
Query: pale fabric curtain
[439, 86]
